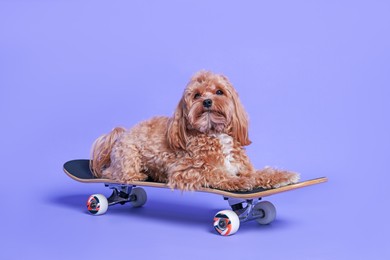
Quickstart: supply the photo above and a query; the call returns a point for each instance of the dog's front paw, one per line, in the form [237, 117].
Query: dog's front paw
[286, 179]
[273, 178]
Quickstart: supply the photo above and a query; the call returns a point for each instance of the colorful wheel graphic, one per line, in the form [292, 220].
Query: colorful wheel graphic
[97, 204]
[226, 222]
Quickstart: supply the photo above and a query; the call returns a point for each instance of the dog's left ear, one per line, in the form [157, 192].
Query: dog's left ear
[177, 132]
[240, 123]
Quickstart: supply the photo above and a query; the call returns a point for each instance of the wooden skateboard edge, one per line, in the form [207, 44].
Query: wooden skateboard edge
[228, 194]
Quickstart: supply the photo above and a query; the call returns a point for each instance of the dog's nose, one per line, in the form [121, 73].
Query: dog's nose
[207, 103]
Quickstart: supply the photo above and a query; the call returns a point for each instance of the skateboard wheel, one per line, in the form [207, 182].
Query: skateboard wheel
[266, 212]
[138, 197]
[226, 222]
[97, 204]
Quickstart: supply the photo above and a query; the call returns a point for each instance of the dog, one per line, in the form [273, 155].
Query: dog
[200, 146]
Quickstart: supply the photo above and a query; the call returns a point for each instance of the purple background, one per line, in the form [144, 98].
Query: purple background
[313, 76]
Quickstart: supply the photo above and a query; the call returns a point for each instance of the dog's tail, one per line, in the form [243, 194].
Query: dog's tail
[101, 151]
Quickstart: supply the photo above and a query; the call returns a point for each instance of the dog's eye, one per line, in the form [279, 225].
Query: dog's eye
[197, 95]
[219, 92]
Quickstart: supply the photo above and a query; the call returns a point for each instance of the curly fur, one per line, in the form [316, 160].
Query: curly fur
[201, 145]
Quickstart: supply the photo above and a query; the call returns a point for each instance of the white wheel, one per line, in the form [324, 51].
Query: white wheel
[266, 212]
[97, 204]
[138, 197]
[226, 222]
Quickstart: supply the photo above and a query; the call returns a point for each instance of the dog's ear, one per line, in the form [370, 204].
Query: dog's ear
[176, 132]
[240, 123]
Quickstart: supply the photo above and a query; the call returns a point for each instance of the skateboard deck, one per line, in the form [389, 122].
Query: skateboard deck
[79, 170]
[245, 205]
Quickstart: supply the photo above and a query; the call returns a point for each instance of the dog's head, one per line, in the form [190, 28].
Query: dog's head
[210, 105]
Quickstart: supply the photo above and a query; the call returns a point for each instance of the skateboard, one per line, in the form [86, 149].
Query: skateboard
[245, 205]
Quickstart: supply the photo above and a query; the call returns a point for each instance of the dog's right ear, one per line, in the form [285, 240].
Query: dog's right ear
[176, 132]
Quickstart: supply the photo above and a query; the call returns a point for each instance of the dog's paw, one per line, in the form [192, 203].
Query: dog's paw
[287, 179]
[269, 178]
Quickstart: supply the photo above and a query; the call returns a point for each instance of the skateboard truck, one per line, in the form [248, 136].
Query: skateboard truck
[227, 222]
[263, 211]
[97, 204]
[120, 194]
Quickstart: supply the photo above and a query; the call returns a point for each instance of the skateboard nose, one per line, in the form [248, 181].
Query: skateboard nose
[207, 103]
